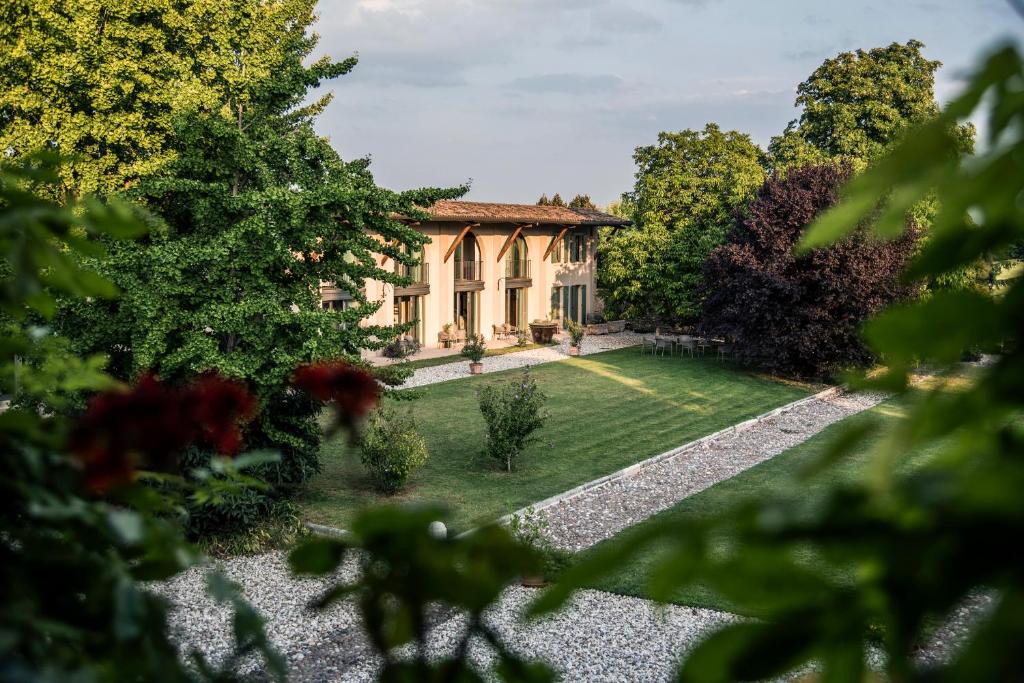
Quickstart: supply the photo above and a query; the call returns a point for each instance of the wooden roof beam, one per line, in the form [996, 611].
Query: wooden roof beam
[386, 257]
[511, 239]
[458, 240]
[556, 240]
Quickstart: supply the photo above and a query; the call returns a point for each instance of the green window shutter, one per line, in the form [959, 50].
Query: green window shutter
[583, 304]
[574, 310]
[555, 298]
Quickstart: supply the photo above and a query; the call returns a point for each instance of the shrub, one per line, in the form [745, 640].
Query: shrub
[392, 448]
[576, 333]
[513, 412]
[392, 375]
[531, 530]
[475, 348]
[401, 348]
[800, 315]
[522, 339]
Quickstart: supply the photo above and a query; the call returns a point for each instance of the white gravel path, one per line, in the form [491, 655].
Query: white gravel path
[597, 637]
[521, 359]
[599, 513]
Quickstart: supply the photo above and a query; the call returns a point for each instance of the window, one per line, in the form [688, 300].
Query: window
[578, 248]
[409, 309]
[571, 249]
[557, 253]
[337, 304]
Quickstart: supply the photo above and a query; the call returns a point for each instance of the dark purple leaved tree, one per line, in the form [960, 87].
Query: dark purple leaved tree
[800, 315]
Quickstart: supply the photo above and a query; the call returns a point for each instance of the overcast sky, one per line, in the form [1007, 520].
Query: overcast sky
[532, 96]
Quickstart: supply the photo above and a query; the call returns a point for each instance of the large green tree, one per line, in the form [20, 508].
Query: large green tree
[688, 188]
[254, 212]
[98, 81]
[857, 104]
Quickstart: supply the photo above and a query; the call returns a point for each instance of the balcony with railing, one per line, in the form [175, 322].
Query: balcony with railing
[517, 269]
[468, 270]
[419, 274]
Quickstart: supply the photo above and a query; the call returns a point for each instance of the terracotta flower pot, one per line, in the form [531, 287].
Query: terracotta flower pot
[533, 581]
[574, 350]
[476, 368]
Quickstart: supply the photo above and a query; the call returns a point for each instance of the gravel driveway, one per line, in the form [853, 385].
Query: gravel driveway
[599, 513]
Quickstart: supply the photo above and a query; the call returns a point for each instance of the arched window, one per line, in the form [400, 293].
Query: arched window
[468, 259]
[517, 264]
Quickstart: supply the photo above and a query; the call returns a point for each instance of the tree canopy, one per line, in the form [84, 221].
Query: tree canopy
[857, 103]
[252, 214]
[688, 188]
[800, 315]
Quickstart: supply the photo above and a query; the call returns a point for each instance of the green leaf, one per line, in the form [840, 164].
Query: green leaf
[317, 556]
[934, 330]
[745, 652]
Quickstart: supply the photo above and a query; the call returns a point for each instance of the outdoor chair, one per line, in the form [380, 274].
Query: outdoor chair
[662, 343]
[499, 331]
[647, 343]
[687, 344]
[724, 351]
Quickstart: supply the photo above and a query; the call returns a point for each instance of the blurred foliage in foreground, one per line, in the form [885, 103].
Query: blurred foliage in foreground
[922, 543]
[79, 532]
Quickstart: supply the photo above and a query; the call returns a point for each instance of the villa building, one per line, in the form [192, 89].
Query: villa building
[491, 265]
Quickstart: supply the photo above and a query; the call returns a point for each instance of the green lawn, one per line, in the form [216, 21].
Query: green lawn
[607, 411]
[772, 477]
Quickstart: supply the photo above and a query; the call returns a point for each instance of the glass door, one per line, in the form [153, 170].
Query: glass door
[409, 309]
[466, 304]
[515, 308]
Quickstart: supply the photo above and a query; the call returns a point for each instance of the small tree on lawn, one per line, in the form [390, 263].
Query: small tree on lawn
[513, 412]
[800, 315]
[391, 448]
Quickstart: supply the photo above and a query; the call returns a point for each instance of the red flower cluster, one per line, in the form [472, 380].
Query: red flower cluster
[353, 390]
[149, 424]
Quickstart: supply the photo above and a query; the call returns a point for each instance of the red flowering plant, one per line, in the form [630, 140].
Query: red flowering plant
[80, 538]
[351, 390]
[149, 424]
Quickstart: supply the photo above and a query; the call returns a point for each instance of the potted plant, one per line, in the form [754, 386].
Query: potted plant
[474, 350]
[544, 330]
[446, 336]
[576, 334]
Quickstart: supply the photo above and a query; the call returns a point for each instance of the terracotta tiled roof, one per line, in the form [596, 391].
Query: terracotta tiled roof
[486, 212]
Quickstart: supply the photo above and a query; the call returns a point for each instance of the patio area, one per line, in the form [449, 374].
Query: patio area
[429, 354]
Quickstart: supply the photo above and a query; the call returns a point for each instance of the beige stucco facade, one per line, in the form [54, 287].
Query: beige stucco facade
[482, 280]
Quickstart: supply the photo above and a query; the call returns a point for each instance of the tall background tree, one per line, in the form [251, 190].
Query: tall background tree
[857, 104]
[800, 315]
[98, 82]
[253, 210]
[688, 187]
[582, 201]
